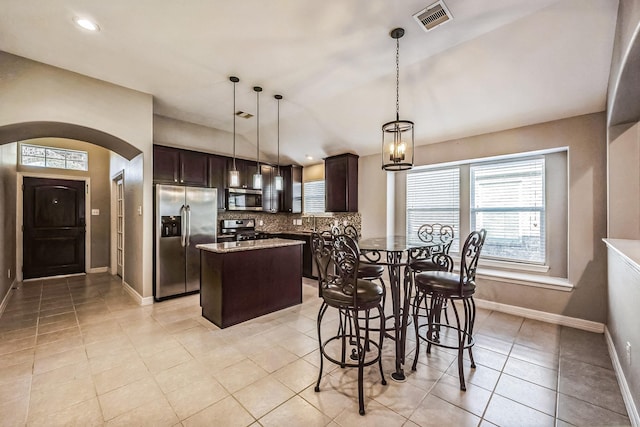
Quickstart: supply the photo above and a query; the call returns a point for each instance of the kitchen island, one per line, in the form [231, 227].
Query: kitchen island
[243, 280]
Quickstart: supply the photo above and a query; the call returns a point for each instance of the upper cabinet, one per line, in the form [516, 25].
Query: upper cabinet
[218, 177]
[182, 167]
[246, 169]
[291, 194]
[341, 183]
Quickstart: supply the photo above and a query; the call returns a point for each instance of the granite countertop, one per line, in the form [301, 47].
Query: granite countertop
[248, 245]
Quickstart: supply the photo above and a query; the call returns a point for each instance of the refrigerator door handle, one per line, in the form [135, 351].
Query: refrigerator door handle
[188, 225]
[183, 231]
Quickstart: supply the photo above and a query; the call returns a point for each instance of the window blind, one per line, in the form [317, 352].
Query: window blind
[313, 196]
[433, 196]
[508, 200]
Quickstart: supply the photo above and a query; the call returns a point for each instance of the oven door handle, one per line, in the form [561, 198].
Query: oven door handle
[183, 229]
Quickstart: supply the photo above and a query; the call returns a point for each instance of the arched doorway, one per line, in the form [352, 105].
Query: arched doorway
[9, 135]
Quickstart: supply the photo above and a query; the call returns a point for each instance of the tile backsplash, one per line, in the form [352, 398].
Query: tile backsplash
[284, 222]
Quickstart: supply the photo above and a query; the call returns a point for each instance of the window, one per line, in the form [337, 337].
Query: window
[50, 157]
[313, 197]
[507, 199]
[433, 196]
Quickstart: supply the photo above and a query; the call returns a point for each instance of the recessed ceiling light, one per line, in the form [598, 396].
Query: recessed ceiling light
[309, 157]
[85, 23]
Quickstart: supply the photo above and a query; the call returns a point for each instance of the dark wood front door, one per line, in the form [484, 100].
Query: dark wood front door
[54, 227]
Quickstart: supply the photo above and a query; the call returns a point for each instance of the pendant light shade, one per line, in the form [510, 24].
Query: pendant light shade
[397, 136]
[278, 180]
[234, 175]
[257, 177]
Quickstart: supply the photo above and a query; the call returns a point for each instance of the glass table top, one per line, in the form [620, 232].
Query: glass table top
[397, 243]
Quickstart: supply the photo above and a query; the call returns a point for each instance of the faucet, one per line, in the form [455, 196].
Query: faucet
[313, 223]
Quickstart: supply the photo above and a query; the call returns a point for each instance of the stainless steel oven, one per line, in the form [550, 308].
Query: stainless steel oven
[242, 199]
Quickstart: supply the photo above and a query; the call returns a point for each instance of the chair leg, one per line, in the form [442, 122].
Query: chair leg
[382, 332]
[433, 331]
[417, 300]
[462, 338]
[470, 308]
[323, 309]
[361, 354]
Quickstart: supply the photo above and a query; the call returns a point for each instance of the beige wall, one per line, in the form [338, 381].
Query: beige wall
[35, 92]
[585, 138]
[624, 201]
[8, 160]
[134, 222]
[100, 190]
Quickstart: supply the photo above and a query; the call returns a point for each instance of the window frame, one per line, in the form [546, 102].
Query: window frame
[556, 209]
[305, 195]
[62, 152]
[540, 209]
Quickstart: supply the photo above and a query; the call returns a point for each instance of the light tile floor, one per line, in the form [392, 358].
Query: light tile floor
[79, 351]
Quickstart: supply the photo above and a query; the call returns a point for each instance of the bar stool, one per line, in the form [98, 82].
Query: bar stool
[443, 286]
[438, 239]
[337, 260]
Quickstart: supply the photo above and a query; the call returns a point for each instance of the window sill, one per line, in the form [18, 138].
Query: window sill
[546, 282]
[514, 266]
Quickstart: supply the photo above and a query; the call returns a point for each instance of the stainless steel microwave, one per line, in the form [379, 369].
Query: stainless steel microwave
[242, 199]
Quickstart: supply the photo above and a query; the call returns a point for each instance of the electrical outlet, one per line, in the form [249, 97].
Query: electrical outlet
[261, 222]
[294, 222]
[628, 353]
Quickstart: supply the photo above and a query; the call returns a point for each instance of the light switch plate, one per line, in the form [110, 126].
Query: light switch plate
[95, 212]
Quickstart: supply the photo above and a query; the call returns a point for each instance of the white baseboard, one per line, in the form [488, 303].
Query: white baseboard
[556, 319]
[632, 410]
[5, 299]
[136, 296]
[99, 270]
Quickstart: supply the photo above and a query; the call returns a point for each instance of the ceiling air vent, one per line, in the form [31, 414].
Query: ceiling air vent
[244, 115]
[433, 16]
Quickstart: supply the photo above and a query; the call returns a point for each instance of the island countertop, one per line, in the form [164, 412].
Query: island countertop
[248, 245]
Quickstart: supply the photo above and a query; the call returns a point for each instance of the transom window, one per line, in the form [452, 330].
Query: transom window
[51, 157]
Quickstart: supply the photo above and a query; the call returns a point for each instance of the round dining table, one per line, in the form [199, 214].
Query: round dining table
[394, 253]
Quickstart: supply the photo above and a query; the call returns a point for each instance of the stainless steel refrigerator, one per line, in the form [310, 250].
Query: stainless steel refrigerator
[184, 218]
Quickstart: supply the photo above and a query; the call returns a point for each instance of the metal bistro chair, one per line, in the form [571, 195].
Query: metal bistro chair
[442, 286]
[337, 260]
[438, 239]
[368, 269]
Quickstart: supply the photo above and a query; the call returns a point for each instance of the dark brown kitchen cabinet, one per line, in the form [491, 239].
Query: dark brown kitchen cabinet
[341, 183]
[218, 176]
[246, 169]
[181, 167]
[291, 194]
[166, 165]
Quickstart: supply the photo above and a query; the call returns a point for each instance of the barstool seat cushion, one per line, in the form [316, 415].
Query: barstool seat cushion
[424, 265]
[443, 282]
[370, 271]
[368, 292]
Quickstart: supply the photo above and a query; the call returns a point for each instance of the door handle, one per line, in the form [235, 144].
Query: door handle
[183, 228]
[188, 225]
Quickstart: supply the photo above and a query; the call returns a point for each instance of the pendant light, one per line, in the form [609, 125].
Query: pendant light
[257, 177]
[234, 175]
[397, 136]
[278, 180]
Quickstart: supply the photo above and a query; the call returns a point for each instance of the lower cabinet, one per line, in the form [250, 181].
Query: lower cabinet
[307, 251]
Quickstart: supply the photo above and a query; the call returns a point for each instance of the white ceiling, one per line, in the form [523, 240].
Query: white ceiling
[499, 64]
